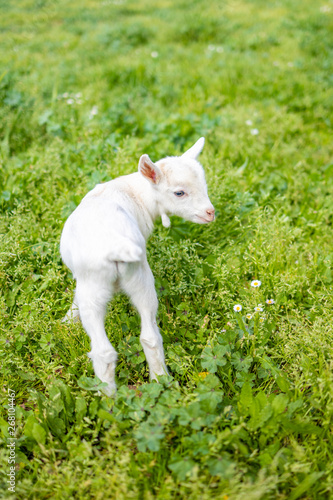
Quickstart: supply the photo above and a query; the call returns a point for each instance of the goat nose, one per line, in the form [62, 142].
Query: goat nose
[211, 213]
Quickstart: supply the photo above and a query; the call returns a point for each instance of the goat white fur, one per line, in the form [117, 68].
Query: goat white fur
[103, 244]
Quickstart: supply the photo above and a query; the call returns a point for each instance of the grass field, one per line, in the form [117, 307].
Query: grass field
[86, 88]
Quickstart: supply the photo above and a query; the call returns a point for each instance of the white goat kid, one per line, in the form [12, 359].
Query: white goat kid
[103, 244]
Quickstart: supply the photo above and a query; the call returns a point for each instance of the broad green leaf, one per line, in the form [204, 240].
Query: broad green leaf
[241, 363]
[209, 382]
[67, 397]
[228, 338]
[213, 357]
[90, 384]
[279, 404]
[153, 390]
[283, 383]
[80, 408]
[193, 415]
[31, 420]
[161, 414]
[26, 375]
[299, 427]
[105, 415]
[149, 436]
[243, 377]
[198, 443]
[246, 397]
[38, 432]
[169, 397]
[57, 426]
[208, 393]
[93, 408]
[305, 485]
[294, 406]
[56, 398]
[182, 467]
[220, 467]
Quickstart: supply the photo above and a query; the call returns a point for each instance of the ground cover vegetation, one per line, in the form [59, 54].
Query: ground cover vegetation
[86, 88]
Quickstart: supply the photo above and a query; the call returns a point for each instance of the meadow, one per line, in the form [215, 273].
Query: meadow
[86, 88]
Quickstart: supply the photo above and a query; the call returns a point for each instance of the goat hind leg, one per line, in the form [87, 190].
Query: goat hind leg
[92, 298]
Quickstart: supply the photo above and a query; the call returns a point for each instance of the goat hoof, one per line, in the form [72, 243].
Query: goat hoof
[110, 390]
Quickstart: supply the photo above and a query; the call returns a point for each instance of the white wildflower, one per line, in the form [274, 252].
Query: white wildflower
[256, 283]
[258, 309]
[270, 301]
[93, 112]
[238, 308]
[254, 131]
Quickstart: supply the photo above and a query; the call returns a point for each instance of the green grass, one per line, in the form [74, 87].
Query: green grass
[86, 88]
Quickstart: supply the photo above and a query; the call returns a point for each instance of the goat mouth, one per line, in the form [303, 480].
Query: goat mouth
[203, 220]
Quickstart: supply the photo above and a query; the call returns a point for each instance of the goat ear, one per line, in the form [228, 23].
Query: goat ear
[195, 150]
[149, 170]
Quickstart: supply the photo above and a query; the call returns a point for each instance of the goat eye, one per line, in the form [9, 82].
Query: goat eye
[179, 193]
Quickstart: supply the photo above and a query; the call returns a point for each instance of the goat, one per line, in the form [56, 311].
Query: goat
[103, 243]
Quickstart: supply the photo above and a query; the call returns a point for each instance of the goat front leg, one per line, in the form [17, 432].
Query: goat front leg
[92, 297]
[139, 285]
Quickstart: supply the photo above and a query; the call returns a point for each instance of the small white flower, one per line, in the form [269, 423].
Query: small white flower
[93, 112]
[270, 301]
[238, 308]
[258, 309]
[260, 305]
[249, 316]
[255, 283]
[65, 95]
[211, 48]
[70, 101]
[261, 320]
[219, 50]
[249, 122]
[78, 95]
[254, 131]
[154, 54]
